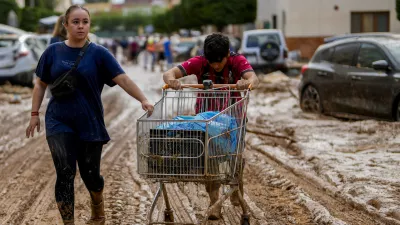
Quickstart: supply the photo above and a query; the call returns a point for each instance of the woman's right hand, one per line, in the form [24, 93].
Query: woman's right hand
[34, 123]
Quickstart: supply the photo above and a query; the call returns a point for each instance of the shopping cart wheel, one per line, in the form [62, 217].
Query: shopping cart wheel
[168, 216]
[245, 220]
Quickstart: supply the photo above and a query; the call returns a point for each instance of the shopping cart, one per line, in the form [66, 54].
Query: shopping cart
[194, 135]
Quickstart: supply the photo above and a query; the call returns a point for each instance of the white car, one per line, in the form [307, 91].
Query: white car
[5, 29]
[45, 38]
[265, 49]
[19, 56]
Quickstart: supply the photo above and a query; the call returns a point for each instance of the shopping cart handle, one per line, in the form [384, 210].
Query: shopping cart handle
[201, 86]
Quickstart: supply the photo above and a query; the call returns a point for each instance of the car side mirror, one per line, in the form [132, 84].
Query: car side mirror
[381, 65]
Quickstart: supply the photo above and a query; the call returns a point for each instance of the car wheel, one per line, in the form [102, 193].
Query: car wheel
[269, 51]
[310, 100]
[397, 111]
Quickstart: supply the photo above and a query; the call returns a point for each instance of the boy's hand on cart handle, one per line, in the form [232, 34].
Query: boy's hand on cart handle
[175, 84]
[243, 84]
[147, 107]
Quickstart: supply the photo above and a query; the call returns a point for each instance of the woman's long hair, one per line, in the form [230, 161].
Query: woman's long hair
[59, 29]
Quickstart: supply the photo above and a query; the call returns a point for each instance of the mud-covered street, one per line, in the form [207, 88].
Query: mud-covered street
[300, 168]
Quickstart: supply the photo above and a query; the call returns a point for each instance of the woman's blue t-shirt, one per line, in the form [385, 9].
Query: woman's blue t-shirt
[83, 114]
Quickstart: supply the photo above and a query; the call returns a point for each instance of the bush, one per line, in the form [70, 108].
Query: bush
[111, 21]
[31, 17]
[5, 7]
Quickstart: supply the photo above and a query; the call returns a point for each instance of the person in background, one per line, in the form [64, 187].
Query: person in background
[75, 128]
[160, 53]
[125, 49]
[134, 50]
[151, 53]
[59, 32]
[114, 46]
[168, 52]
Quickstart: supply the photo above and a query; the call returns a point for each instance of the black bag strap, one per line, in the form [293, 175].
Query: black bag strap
[81, 53]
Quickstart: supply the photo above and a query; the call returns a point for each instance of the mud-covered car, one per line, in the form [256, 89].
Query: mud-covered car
[354, 77]
[19, 56]
[265, 49]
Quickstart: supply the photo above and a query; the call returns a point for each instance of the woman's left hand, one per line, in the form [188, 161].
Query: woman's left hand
[147, 107]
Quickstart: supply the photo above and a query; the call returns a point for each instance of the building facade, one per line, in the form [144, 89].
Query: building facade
[306, 23]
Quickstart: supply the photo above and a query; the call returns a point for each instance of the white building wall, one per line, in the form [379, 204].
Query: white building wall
[63, 5]
[266, 9]
[318, 17]
[20, 3]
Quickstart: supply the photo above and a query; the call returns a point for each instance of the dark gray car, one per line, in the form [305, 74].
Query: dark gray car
[354, 76]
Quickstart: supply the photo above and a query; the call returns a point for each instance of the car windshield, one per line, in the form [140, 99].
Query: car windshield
[256, 40]
[394, 48]
[186, 44]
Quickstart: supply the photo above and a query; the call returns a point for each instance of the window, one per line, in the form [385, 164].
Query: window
[274, 22]
[324, 55]
[5, 43]
[344, 54]
[267, 25]
[256, 40]
[369, 22]
[368, 54]
[30, 43]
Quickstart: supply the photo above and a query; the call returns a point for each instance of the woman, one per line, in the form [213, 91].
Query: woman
[75, 128]
[59, 32]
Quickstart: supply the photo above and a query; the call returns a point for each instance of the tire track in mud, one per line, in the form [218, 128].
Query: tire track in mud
[14, 120]
[82, 199]
[270, 192]
[25, 187]
[309, 191]
[193, 202]
[28, 184]
[15, 141]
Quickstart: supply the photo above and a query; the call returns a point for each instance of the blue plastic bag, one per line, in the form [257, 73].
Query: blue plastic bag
[217, 127]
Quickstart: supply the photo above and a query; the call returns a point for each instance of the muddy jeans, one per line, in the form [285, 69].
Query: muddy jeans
[66, 149]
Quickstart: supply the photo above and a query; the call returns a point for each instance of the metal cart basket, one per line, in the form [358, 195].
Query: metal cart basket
[194, 135]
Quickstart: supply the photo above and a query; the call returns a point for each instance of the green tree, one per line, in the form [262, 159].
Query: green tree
[48, 4]
[107, 21]
[31, 16]
[192, 14]
[164, 23]
[5, 7]
[111, 21]
[134, 20]
[223, 12]
[94, 1]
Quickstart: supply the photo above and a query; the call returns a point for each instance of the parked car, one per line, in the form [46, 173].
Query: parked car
[45, 39]
[5, 29]
[265, 49]
[19, 55]
[182, 50]
[354, 35]
[354, 76]
[234, 42]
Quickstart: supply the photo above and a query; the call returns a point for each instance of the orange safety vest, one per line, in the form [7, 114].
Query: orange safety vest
[150, 47]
